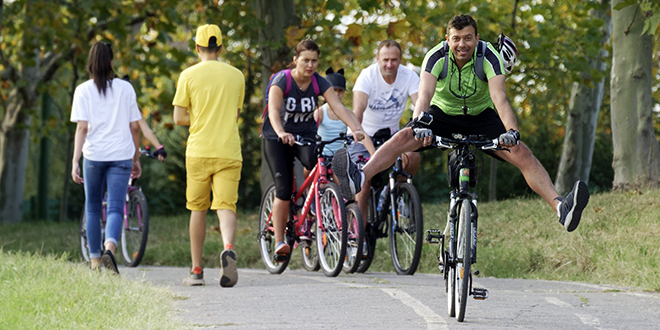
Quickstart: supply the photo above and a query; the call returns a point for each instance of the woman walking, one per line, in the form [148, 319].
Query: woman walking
[107, 135]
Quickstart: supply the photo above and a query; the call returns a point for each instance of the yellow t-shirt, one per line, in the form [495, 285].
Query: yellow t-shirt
[213, 92]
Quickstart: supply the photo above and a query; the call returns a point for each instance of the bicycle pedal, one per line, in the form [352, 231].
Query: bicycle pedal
[281, 257]
[479, 293]
[476, 272]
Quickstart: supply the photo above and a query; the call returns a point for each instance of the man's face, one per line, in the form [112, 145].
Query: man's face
[462, 43]
[389, 59]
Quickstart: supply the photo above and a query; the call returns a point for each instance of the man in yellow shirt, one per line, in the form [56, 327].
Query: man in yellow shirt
[209, 97]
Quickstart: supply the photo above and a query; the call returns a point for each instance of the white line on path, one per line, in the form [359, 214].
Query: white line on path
[557, 302]
[589, 320]
[433, 320]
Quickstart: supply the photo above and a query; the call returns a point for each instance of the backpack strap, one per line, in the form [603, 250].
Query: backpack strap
[315, 85]
[445, 66]
[479, 61]
[287, 73]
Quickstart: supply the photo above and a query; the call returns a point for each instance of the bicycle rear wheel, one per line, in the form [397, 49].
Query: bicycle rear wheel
[406, 230]
[135, 229]
[84, 248]
[309, 251]
[355, 238]
[332, 235]
[464, 259]
[266, 234]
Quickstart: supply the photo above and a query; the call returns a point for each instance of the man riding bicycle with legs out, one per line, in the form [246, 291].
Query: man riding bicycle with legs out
[460, 102]
[380, 95]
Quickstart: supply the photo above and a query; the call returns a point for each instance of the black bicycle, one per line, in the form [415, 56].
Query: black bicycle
[455, 261]
[395, 211]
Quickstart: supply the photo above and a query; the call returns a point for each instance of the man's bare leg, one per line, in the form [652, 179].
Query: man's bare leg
[536, 176]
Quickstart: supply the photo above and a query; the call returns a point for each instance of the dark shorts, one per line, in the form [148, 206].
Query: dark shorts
[486, 123]
[280, 159]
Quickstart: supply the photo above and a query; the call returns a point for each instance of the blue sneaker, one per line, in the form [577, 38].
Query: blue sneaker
[572, 205]
[348, 174]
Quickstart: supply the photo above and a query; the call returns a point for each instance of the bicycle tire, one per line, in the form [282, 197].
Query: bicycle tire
[266, 235]
[310, 252]
[355, 238]
[84, 248]
[464, 260]
[407, 230]
[332, 237]
[135, 228]
[369, 234]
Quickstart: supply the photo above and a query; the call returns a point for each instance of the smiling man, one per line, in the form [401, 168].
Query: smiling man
[462, 88]
[380, 95]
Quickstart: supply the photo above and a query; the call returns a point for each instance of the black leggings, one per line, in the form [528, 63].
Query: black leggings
[280, 161]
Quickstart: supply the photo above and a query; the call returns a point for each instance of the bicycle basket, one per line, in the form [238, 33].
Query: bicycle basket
[457, 159]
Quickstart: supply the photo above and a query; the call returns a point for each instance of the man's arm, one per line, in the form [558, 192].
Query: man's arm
[427, 84]
[497, 89]
[181, 116]
[360, 102]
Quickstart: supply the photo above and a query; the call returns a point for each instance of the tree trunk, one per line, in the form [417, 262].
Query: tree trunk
[577, 152]
[277, 15]
[636, 154]
[13, 162]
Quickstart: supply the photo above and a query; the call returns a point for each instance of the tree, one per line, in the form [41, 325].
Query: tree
[582, 115]
[39, 39]
[636, 153]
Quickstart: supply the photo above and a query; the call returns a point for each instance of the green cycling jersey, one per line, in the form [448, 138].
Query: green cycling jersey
[462, 87]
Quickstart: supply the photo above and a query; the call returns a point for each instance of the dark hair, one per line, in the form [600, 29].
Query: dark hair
[99, 65]
[389, 43]
[210, 49]
[459, 22]
[306, 44]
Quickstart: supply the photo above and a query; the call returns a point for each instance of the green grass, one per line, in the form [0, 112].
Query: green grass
[46, 292]
[616, 242]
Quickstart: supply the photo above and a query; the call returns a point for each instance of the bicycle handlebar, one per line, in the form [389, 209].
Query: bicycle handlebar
[305, 141]
[148, 152]
[481, 142]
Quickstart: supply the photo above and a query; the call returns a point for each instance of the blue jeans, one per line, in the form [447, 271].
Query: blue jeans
[96, 175]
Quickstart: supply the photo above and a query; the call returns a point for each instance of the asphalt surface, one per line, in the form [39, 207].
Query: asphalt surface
[310, 300]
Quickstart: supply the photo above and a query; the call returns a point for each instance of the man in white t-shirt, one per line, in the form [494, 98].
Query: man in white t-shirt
[380, 95]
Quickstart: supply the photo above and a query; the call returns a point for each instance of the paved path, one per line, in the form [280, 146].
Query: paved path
[306, 300]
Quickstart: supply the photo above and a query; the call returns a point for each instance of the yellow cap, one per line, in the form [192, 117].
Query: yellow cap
[205, 33]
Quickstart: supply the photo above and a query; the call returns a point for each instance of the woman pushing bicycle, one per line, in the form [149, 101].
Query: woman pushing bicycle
[290, 112]
[107, 134]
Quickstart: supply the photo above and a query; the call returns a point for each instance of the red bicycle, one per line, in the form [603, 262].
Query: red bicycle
[331, 225]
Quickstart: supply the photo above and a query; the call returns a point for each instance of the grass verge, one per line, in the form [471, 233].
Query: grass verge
[46, 292]
[616, 242]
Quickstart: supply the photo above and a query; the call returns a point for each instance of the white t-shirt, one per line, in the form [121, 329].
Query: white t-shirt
[108, 132]
[386, 102]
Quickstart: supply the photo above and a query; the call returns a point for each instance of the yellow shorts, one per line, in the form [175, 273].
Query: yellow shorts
[219, 174]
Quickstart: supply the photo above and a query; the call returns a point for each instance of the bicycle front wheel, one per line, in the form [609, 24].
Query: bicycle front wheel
[464, 258]
[136, 229]
[369, 233]
[406, 229]
[84, 247]
[266, 234]
[332, 232]
[355, 238]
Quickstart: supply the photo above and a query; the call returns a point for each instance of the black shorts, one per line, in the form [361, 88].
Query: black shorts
[486, 123]
[280, 158]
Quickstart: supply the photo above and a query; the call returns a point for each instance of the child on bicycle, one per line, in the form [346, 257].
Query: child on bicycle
[330, 126]
[293, 114]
